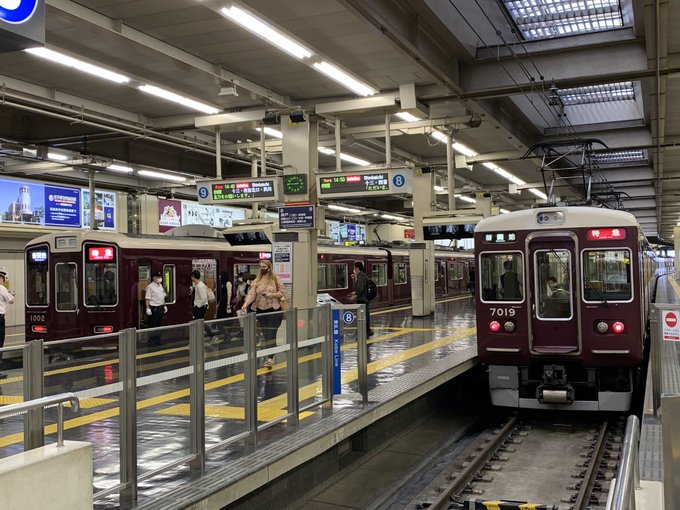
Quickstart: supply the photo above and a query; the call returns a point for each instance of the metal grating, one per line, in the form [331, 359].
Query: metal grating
[608, 92]
[546, 19]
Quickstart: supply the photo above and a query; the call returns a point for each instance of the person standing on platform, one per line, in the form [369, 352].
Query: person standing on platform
[224, 303]
[265, 295]
[199, 292]
[6, 298]
[360, 294]
[154, 297]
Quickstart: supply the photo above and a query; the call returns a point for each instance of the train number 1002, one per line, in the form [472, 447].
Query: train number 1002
[37, 318]
[502, 312]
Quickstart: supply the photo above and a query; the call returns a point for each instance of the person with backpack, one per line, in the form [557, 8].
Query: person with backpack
[361, 292]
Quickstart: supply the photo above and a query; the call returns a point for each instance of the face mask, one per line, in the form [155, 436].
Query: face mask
[157, 280]
[264, 270]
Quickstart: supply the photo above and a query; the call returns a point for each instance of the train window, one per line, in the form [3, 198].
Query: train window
[456, 271]
[101, 276]
[400, 274]
[37, 278]
[379, 274]
[66, 283]
[607, 275]
[169, 283]
[331, 276]
[553, 289]
[502, 276]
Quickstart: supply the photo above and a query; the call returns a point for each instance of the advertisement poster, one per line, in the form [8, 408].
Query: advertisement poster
[282, 254]
[62, 206]
[333, 231]
[169, 214]
[105, 209]
[210, 215]
[22, 202]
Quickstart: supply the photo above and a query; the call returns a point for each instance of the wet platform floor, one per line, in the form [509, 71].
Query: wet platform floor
[402, 346]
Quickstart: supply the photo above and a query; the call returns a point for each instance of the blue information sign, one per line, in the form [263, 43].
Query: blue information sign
[337, 357]
[348, 317]
[62, 206]
[296, 217]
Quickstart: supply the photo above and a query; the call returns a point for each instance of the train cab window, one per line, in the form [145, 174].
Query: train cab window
[502, 276]
[101, 276]
[331, 276]
[379, 274]
[607, 275]
[400, 274]
[169, 283]
[553, 289]
[66, 283]
[37, 277]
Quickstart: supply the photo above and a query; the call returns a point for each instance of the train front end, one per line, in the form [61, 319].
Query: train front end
[560, 307]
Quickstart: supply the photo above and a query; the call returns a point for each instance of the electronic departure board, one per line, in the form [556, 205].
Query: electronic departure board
[386, 182]
[237, 191]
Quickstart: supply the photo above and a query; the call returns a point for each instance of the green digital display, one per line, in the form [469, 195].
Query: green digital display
[295, 184]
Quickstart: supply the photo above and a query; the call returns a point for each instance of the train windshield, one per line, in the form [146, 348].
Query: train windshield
[553, 288]
[607, 275]
[37, 266]
[101, 275]
[502, 276]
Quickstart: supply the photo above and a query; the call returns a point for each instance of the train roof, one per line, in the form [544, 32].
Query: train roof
[575, 217]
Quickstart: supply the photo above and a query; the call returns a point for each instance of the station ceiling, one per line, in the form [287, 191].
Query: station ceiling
[501, 77]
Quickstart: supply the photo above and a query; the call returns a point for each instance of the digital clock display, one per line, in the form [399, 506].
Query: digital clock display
[243, 190]
[356, 183]
[295, 184]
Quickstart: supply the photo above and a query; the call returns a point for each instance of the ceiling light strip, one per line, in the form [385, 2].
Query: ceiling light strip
[162, 176]
[176, 98]
[344, 79]
[65, 60]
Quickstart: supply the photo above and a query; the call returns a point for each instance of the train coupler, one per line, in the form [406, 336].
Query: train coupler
[554, 388]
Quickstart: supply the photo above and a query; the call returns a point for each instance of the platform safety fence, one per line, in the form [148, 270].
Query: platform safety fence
[130, 383]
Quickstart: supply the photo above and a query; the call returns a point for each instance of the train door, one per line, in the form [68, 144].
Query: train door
[554, 314]
[208, 270]
[143, 279]
[66, 300]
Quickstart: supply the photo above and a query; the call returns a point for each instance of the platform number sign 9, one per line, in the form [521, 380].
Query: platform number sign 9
[203, 192]
[17, 12]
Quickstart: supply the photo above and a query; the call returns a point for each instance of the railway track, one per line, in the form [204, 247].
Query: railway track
[557, 462]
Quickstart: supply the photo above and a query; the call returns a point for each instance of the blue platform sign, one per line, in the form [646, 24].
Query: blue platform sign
[296, 217]
[62, 206]
[22, 24]
[348, 317]
[337, 353]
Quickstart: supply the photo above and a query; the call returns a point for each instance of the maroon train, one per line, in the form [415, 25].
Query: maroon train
[83, 283]
[562, 307]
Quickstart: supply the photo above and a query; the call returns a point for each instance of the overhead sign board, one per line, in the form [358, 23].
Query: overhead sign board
[22, 24]
[238, 191]
[383, 182]
[296, 217]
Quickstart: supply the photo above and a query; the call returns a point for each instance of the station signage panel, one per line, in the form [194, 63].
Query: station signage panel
[364, 184]
[296, 217]
[238, 191]
[22, 24]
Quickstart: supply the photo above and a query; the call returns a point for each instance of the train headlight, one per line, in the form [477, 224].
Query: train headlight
[602, 327]
[495, 326]
[509, 326]
[618, 327]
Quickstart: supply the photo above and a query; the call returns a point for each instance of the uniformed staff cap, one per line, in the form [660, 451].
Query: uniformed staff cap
[3, 274]
[158, 274]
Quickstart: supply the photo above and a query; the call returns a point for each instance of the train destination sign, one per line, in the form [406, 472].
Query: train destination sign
[385, 182]
[500, 237]
[238, 191]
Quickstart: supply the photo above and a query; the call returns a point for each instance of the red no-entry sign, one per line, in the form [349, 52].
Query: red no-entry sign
[670, 326]
[671, 319]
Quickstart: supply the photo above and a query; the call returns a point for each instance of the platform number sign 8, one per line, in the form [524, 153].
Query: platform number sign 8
[348, 317]
[398, 180]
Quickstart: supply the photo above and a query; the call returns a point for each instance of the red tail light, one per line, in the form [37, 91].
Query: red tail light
[103, 329]
[495, 326]
[618, 327]
[39, 329]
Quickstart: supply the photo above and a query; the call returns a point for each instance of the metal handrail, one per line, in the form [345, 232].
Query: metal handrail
[38, 403]
[628, 475]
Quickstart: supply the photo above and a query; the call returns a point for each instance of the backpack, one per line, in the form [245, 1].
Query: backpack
[371, 290]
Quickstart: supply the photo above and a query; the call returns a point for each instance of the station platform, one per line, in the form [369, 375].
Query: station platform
[407, 358]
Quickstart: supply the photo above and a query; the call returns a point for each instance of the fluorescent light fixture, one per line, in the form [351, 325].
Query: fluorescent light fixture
[343, 209]
[60, 58]
[176, 98]
[344, 157]
[538, 193]
[271, 132]
[504, 211]
[120, 168]
[504, 173]
[438, 135]
[390, 217]
[265, 31]
[438, 189]
[55, 156]
[161, 176]
[465, 199]
[406, 116]
[344, 79]
[464, 150]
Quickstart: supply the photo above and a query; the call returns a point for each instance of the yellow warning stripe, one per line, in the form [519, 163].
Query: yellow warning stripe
[402, 308]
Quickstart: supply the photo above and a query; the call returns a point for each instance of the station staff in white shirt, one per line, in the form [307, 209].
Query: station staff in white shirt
[6, 298]
[154, 296]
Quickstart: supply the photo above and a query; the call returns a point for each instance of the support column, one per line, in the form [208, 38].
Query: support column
[450, 172]
[423, 197]
[301, 156]
[218, 152]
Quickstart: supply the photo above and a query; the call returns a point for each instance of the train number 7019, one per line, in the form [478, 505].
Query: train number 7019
[502, 312]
